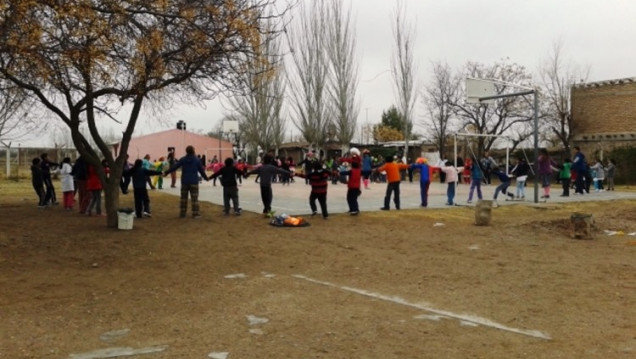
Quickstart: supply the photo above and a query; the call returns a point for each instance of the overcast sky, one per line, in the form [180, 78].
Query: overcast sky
[599, 34]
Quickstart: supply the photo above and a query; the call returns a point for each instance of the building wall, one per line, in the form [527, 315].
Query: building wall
[604, 114]
[156, 145]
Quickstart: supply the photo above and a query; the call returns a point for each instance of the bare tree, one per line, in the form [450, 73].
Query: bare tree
[403, 69]
[500, 117]
[309, 80]
[344, 80]
[86, 60]
[259, 111]
[438, 99]
[558, 78]
[17, 116]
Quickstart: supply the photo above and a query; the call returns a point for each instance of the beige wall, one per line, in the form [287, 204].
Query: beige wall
[156, 145]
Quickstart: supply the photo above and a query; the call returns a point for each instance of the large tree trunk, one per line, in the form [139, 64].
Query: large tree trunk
[111, 198]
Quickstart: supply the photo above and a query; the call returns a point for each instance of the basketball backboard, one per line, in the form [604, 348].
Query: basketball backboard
[230, 126]
[477, 89]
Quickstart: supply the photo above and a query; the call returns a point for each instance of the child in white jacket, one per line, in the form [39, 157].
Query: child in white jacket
[68, 185]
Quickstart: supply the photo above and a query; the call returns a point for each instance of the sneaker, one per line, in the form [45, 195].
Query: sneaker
[196, 216]
[495, 204]
[314, 213]
[448, 204]
[354, 213]
[384, 208]
[469, 201]
[238, 212]
[147, 214]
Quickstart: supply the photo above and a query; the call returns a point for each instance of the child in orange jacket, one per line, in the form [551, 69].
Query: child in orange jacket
[393, 179]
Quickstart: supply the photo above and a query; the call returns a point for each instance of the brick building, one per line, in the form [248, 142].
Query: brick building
[604, 115]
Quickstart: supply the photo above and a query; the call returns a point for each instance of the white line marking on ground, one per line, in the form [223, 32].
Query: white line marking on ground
[462, 317]
[117, 352]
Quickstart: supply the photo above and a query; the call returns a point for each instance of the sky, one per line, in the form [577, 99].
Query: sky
[595, 34]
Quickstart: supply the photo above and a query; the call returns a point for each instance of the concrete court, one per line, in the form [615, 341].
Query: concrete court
[294, 198]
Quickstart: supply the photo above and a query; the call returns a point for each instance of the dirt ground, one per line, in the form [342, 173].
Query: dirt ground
[420, 283]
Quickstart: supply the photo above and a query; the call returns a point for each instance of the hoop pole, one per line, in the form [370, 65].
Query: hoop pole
[536, 148]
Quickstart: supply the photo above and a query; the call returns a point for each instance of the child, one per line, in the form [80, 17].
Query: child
[392, 170]
[476, 176]
[564, 175]
[318, 179]
[353, 187]
[468, 164]
[503, 186]
[452, 176]
[599, 175]
[367, 167]
[139, 174]
[266, 172]
[421, 165]
[521, 171]
[68, 187]
[159, 166]
[610, 171]
[228, 174]
[94, 186]
[545, 171]
[37, 180]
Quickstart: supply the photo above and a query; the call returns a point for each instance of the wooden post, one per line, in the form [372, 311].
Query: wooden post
[581, 225]
[483, 211]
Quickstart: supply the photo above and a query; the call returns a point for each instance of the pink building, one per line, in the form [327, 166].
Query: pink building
[157, 145]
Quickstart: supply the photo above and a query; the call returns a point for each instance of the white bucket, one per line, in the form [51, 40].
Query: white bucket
[125, 220]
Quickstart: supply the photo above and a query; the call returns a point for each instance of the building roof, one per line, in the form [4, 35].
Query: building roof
[626, 80]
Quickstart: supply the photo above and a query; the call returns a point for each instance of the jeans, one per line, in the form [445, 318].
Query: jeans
[475, 183]
[450, 193]
[521, 189]
[503, 188]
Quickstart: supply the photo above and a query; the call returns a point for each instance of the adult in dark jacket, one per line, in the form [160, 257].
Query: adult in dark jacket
[191, 167]
[38, 181]
[47, 166]
[580, 167]
[228, 174]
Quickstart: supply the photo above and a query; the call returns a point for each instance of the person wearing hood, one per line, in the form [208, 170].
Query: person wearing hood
[191, 168]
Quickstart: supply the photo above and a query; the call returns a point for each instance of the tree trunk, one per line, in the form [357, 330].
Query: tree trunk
[581, 225]
[483, 213]
[111, 199]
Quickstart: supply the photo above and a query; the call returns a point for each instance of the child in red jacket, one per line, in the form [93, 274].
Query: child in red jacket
[353, 186]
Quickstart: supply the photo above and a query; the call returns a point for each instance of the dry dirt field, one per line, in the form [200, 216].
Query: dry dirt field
[421, 283]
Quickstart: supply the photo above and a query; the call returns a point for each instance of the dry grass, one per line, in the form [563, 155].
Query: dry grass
[66, 279]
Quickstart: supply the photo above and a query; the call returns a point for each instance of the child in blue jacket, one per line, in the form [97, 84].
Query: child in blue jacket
[503, 186]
